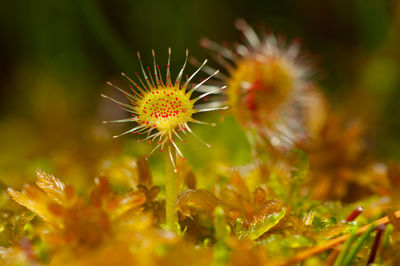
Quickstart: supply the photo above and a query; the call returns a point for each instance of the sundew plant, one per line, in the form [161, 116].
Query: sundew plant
[166, 108]
[277, 148]
[270, 90]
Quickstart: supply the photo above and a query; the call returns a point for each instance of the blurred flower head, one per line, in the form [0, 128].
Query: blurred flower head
[269, 87]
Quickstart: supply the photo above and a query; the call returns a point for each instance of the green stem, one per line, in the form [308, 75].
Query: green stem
[221, 229]
[171, 190]
[357, 246]
[221, 250]
[345, 249]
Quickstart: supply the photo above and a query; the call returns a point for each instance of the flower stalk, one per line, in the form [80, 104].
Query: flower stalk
[171, 189]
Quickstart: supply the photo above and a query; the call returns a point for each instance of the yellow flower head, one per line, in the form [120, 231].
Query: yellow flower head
[269, 90]
[162, 109]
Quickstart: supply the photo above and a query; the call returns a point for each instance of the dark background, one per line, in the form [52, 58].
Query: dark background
[55, 57]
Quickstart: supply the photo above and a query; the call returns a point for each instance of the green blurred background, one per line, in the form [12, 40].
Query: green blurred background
[56, 56]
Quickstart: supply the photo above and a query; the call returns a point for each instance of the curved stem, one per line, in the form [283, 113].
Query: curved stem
[171, 189]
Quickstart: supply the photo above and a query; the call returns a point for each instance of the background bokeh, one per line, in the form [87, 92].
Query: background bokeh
[55, 57]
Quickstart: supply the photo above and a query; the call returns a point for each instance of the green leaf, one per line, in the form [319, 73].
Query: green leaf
[256, 230]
